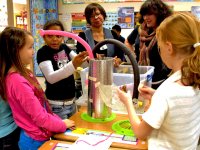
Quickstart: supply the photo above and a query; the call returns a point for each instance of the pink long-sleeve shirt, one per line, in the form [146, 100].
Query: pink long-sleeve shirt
[28, 111]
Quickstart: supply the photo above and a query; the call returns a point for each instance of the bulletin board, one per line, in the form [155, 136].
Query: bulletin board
[41, 11]
[126, 17]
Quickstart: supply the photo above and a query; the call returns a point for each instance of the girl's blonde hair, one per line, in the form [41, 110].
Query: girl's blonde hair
[183, 31]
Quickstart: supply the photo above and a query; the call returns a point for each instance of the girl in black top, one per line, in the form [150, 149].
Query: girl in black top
[58, 63]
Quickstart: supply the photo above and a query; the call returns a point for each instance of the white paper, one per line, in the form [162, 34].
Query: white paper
[91, 142]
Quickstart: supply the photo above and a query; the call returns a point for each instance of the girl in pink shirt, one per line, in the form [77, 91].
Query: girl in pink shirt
[26, 98]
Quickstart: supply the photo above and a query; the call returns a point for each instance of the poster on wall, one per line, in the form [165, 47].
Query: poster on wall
[111, 20]
[126, 17]
[3, 14]
[21, 20]
[78, 22]
[41, 11]
[196, 11]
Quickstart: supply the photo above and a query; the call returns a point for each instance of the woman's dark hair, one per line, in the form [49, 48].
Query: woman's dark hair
[51, 23]
[156, 7]
[91, 8]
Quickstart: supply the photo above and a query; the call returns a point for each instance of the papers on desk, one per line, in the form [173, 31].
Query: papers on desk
[86, 142]
[91, 142]
[118, 138]
[62, 146]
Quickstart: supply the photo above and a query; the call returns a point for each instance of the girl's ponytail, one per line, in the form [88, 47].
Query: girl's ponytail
[191, 68]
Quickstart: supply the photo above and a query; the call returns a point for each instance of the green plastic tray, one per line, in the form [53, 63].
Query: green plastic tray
[123, 127]
[88, 118]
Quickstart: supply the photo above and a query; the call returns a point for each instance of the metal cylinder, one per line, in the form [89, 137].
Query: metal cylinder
[100, 72]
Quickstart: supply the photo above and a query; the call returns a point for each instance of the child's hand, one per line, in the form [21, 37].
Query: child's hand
[146, 92]
[117, 61]
[69, 123]
[79, 59]
[124, 97]
[72, 128]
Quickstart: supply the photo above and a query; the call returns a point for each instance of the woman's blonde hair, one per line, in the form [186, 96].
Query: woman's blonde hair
[183, 31]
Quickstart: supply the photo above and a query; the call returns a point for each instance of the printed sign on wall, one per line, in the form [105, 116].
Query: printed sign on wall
[126, 17]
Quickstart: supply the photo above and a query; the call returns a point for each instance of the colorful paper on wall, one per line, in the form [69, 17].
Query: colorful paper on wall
[111, 20]
[126, 17]
[78, 22]
[41, 11]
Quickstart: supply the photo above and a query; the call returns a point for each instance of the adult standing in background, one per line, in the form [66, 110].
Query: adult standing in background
[153, 13]
[95, 16]
[133, 40]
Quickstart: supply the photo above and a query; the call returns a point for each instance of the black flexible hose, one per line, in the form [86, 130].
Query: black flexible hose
[132, 60]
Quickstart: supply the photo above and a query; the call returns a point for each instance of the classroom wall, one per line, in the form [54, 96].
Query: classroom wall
[65, 10]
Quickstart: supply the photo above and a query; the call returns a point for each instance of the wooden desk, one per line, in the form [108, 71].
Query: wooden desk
[142, 145]
[49, 145]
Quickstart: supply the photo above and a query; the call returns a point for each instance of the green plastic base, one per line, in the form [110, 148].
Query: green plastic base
[123, 127]
[88, 118]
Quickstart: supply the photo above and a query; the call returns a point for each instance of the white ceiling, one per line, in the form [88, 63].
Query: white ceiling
[19, 1]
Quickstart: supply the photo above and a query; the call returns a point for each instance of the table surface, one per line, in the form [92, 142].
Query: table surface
[107, 126]
[49, 145]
